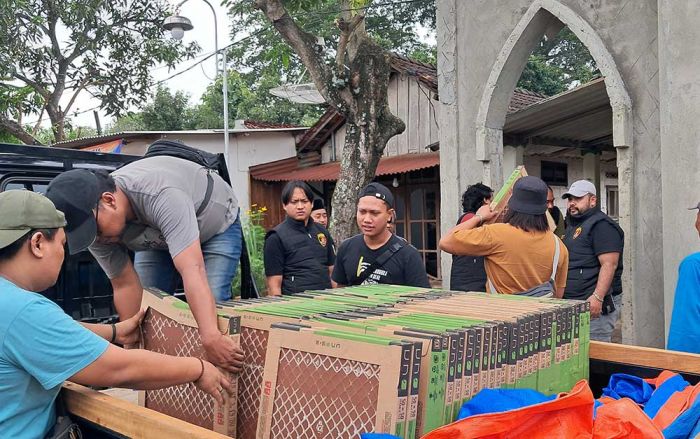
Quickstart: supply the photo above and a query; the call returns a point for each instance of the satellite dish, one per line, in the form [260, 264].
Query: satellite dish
[299, 93]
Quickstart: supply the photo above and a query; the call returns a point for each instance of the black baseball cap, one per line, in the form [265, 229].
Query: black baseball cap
[76, 194]
[380, 191]
[318, 204]
[529, 196]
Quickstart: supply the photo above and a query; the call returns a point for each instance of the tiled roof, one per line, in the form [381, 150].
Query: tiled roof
[424, 72]
[523, 98]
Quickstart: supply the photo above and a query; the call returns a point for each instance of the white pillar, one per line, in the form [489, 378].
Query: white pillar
[591, 169]
[512, 158]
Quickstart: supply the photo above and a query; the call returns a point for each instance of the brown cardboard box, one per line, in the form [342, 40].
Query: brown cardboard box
[170, 328]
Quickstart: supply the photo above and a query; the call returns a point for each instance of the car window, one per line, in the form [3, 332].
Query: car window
[15, 186]
[36, 186]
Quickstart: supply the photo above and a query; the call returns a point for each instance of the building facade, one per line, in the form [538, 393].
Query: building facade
[648, 58]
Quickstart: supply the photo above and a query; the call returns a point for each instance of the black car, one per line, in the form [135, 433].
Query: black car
[82, 290]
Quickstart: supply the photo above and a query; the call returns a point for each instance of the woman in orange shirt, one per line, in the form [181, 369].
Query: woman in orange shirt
[522, 256]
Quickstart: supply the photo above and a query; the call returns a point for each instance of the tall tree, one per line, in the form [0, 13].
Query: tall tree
[557, 64]
[167, 112]
[350, 69]
[209, 112]
[53, 50]
[265, 60]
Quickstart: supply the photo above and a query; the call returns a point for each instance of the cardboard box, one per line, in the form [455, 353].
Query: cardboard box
[170, 328]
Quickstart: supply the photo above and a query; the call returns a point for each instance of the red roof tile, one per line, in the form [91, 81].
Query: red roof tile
[523, 98]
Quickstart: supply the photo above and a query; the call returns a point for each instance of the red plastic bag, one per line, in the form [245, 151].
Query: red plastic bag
[569, 416]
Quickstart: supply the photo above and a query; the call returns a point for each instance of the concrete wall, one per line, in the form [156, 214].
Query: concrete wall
[412, 102]
[245, 150]
[622, 37]
[679, 82]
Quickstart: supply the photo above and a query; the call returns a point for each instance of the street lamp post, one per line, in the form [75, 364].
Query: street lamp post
[177, 25]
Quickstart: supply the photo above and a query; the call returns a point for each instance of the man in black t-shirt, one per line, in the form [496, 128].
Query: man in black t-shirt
[595, 243]
[377, 256]
[299, 254]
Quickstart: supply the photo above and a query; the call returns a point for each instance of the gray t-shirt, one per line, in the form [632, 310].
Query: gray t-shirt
[165, 193]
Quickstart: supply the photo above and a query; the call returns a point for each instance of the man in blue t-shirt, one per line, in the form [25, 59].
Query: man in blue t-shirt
[684, 332]
[41, 346]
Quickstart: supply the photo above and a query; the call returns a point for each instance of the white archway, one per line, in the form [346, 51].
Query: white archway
[541, 17]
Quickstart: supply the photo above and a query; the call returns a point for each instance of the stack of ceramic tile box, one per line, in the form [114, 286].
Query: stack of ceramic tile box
[394, 359]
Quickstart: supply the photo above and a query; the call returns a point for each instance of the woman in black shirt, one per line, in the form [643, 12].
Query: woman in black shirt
[468, 273]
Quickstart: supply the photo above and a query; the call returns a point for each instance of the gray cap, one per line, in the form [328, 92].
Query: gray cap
[580, 188]
[695, 207]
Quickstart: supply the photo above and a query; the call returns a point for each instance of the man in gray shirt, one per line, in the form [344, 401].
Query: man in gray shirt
[158, 208]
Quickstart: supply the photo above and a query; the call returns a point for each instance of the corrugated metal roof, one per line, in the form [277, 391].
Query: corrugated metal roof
[288, 169]
[94, 140]
[580, 116]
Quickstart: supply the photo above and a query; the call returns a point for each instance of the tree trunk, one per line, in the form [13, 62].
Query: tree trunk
[16, 130]
[356, 86]
[369, 125]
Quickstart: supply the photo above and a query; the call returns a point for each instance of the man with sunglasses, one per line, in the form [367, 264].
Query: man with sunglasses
[181, 222]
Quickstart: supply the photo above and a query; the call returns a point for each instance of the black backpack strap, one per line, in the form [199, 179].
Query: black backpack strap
[207, 194]
[380, 261]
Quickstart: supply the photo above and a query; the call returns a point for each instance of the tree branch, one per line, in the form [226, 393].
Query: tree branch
[304, 44]
[347, 28]
[33, 84]
[16, 130]
[38, 122]
[51, 31]
[78, 89]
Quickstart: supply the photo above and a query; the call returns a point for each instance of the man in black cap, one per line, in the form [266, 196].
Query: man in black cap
[318, 212]
[299, 254]
[595, 243]
[377, 256]
[181, 221]
[521, 255]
